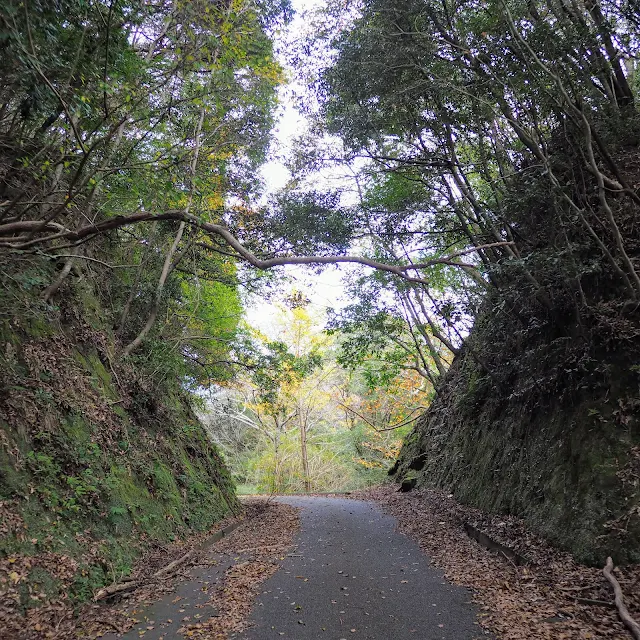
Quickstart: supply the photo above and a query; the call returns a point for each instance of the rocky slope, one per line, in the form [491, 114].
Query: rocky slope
[539, 414]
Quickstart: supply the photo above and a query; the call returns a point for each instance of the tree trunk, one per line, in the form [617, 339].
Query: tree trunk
[169, 264]
[303, 451]
[166, 271]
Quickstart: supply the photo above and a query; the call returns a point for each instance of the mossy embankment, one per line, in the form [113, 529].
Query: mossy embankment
[569, 468]
[99, 459]
[538, 416]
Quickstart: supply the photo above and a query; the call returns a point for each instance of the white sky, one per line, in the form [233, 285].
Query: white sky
[290, 122]
[324, 289]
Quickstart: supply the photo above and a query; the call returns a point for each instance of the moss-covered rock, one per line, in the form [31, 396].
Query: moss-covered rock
[539, 415]
[95, 465]
[563, 454]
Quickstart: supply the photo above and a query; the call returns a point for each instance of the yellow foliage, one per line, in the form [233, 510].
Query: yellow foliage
[215, 200]
[368, 464]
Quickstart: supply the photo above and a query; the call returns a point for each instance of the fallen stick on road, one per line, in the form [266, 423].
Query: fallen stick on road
[129, 585]
[113, 589]
[623, 612]
[172, 565]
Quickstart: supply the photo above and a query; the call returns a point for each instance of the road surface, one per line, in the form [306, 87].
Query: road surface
[352, 576]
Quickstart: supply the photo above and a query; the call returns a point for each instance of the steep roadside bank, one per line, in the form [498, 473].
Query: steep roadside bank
[538, 415]
[99, 459]
[569, 466]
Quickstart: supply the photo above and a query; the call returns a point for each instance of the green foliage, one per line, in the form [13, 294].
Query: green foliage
[279, 367]
[309, 222]
[120, 108]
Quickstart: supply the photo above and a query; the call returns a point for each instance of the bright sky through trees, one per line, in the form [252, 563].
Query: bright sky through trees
[324, 289]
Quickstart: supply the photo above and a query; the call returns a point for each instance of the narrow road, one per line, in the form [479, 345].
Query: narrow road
[352, 576]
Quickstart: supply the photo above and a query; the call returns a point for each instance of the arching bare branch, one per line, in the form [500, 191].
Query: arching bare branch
[81, 234]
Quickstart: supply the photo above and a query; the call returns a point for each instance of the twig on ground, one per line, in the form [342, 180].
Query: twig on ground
[585, 588]
[623, 612]
[114, 589]
[173, 565]
[129, 585]
[261, 548]
[597, 603]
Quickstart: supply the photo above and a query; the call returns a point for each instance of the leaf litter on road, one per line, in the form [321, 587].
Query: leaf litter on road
[262, 544]
[59, 620]
[551, 598]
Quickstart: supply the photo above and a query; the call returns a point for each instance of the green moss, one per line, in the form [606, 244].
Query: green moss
[81, 483]
[80, 488]
[42, 581]
[558, 469]
[120, 412]
[38, 327]
[92, 311]
[76, 428]
[12, 480]
[101, 379]
[166, 488]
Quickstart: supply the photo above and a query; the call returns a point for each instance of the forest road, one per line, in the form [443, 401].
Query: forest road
[353, 576]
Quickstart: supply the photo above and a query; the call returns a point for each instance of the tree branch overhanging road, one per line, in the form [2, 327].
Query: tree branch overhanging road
[20, 236]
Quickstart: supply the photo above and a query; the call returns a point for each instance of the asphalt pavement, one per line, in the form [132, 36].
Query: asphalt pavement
[353, 576]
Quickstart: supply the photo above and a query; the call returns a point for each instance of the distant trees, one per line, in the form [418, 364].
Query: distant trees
[277, 404]
[300, 422]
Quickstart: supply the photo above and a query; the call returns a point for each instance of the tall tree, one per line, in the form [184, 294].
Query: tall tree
[109, 110]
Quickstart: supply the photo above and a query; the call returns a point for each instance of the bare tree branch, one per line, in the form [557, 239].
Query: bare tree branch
[11, 228]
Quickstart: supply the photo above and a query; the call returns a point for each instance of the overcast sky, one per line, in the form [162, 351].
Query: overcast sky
[325, 289]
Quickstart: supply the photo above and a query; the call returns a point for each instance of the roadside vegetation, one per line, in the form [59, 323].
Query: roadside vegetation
[475, 165]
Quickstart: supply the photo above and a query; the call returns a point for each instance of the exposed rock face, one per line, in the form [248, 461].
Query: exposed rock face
[569, 464]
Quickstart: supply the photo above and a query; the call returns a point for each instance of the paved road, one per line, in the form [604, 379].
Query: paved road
[354, 577]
